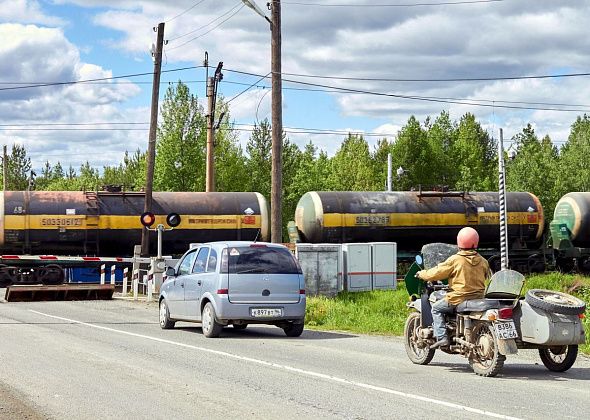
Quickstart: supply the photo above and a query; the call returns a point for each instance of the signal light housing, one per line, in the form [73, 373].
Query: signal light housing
[173, 219]
[147, 219]
[505, 313]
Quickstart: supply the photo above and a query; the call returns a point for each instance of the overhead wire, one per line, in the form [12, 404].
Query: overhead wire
[445, 3]
[185, 11]
[204, 26]
[248, 88]
[210, 30]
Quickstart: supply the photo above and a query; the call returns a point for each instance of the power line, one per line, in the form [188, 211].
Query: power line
[185, 11]
[419, 98]
[204, 26]
[446, 3]
[248, 88]
[99, 79]
[210, 30]
[455, 79]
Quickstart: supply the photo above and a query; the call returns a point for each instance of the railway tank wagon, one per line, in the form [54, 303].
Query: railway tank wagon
[107, 223]
[414, 218]
[570, 231]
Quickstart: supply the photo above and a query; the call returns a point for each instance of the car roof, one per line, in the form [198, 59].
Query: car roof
[229, 244]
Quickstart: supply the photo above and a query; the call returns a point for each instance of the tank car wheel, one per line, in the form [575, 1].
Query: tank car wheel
[51, 274]
[5, 276]
[486, 360]
[565, 265]
[557, 302]
[559, 359]
[420, 354]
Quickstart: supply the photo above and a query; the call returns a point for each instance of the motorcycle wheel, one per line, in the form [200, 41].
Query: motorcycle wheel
[418, 355]
[559, 359]
[486, 360]
[557, 302]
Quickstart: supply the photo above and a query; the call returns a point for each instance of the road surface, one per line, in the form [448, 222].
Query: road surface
[110, 359]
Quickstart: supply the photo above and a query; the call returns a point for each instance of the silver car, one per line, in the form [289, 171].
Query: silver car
[237, 283]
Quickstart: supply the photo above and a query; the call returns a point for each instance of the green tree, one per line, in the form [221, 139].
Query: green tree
[379, 159]
[180, 149]
[18, 169]
[441, 136]
[411, 152]
[530, 167]
[258, 163]
[475, 155]
[574, 165]
[351, 166]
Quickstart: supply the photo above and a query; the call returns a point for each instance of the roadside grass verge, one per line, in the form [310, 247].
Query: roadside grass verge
[384, 312]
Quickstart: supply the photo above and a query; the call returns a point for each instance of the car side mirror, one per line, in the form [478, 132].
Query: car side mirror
[170, 272]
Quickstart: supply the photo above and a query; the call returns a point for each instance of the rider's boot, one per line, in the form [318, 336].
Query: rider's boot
[442, 342]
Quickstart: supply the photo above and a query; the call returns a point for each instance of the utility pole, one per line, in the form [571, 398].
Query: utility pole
[151, 152]
[276, 227]
[5, 169]
[212, 100]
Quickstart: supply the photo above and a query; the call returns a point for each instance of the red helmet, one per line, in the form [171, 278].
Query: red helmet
[468, 238]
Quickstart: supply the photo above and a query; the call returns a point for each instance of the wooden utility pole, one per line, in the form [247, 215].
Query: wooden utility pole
[277, 126]
[151, 152]
[4, 169]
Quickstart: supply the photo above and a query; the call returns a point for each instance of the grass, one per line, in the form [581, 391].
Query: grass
[384, 312]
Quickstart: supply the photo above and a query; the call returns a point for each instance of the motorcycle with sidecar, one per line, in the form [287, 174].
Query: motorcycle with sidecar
[486, 330]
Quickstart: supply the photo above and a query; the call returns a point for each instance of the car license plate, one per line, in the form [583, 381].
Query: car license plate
[505, 330]
[266, 312]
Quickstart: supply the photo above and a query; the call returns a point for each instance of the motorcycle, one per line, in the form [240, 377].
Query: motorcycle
[487, 330]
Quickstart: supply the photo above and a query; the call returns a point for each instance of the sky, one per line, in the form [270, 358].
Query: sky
[348, 66]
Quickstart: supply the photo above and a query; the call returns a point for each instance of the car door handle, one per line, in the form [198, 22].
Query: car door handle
[199, 282]
[182, 285]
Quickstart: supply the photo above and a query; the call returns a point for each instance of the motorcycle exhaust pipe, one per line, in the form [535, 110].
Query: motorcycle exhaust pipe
[464, 343]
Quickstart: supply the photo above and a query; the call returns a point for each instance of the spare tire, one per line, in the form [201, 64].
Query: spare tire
[557, 302]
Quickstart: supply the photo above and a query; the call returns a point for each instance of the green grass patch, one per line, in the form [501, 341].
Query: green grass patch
[384, 312]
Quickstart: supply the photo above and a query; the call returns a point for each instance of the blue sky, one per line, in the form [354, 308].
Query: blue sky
[64, 40]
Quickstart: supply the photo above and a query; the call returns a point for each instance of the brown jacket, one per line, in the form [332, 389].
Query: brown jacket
[467, 272]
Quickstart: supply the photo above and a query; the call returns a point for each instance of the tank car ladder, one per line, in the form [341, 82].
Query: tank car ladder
[92, 218]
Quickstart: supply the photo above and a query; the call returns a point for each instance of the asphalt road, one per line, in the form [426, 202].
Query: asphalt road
[110, 359]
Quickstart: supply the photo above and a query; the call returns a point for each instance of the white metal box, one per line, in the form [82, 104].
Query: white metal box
[384, 265]
[357, 267]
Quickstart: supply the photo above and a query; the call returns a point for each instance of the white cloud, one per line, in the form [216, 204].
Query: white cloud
[26, 11]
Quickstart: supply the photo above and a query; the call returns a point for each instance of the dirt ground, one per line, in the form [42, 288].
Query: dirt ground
[12, 406]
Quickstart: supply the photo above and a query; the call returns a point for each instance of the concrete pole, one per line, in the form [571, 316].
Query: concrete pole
[151, 152]
[5, 168]
[277, 126]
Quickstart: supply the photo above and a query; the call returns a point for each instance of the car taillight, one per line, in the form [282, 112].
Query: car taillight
[222, 291]
[505, 313]
[301, 291]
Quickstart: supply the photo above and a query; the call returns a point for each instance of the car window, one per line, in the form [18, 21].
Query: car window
[187, 263]
[212, 264]
[201, 261]
[261, 259]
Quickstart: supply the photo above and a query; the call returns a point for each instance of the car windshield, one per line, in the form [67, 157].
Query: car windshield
[259, 260]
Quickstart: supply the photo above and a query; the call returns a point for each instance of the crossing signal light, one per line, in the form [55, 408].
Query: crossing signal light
[173, 219]
[147, 219]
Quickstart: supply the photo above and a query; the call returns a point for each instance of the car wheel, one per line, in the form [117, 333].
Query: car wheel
[165, 322]
[211, 328]
[293, 330]
[240, 326]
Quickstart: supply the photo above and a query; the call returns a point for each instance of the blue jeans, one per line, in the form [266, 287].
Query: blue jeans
[439, 310]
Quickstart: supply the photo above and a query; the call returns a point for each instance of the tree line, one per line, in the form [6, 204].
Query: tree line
[438, 152]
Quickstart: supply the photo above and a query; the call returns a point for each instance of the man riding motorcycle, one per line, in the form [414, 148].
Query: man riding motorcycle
[466, 272]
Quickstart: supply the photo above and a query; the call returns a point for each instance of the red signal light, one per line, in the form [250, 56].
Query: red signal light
[147, 219]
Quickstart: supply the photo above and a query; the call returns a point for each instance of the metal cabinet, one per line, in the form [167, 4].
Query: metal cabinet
[384, 265]
[321, 266]
[357, 267]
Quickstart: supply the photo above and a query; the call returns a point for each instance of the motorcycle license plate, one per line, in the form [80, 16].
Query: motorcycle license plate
[505, 330]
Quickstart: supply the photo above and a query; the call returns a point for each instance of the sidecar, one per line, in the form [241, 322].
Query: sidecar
[551, 322]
